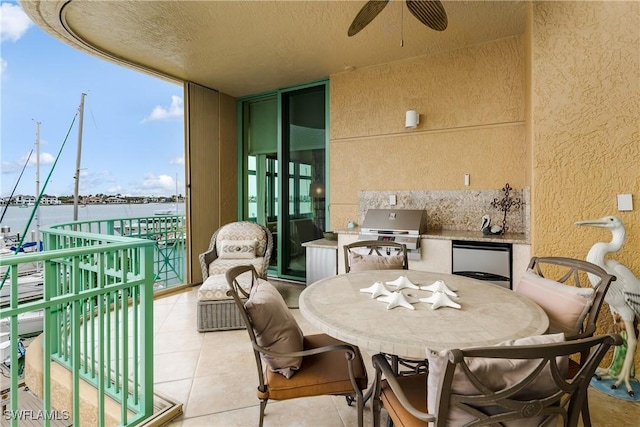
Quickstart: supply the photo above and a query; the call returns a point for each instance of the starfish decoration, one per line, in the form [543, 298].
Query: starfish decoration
[440, 299]
[440, 286]
[396, 299]
[403, 282]
[376, 290]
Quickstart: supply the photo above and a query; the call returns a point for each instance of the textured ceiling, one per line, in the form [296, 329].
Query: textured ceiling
[247, 47]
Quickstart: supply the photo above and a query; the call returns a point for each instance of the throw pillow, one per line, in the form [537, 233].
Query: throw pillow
[238, 249]
[496, 374]
[275, 328]
[358, 262]
[565, 305]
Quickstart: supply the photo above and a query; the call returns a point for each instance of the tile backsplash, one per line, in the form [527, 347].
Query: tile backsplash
[454, 209]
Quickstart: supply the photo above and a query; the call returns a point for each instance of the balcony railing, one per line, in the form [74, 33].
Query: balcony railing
[97, 313]
[168, 231]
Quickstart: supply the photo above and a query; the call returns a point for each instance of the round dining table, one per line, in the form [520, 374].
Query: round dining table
[488, 313]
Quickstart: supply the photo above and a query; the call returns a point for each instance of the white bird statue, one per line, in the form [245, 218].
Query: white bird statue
[487, 228]
[623, 295]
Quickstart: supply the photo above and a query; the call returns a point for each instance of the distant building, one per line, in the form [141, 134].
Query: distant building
[93, 200]
[22, 199]
[114, 200]
[49, 200]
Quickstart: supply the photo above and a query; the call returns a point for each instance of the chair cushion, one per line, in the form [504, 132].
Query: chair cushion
[565, 305]
[215, 287]
[238, 249]
[275, 327]
[320, 374]
[496, 374]
[220, 265]
[415, 389]
[242, 231]
[358, 262]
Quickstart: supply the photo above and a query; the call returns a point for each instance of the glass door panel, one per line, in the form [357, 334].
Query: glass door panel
[284, 134]
[303, 150]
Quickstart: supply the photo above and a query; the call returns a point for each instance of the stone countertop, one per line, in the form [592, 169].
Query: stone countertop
[321, 243]
[517, 238]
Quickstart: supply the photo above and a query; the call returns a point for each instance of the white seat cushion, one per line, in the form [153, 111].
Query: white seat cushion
[221, 265]
[215, 287]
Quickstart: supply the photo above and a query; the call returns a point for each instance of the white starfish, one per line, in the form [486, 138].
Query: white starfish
[440, 299]
[376, 290]
[396, 299]
[403, 282]
[440, 286]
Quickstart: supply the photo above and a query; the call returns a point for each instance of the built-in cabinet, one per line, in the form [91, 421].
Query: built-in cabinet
[435, 255]
[322, 259]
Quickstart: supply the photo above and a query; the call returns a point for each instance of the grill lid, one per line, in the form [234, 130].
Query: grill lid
[394, 221]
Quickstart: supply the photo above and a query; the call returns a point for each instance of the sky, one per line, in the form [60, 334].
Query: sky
[132, 138]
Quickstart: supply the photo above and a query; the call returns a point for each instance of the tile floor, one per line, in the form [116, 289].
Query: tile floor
[213, 375]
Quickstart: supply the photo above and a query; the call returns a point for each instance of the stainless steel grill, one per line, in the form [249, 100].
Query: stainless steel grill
[397, 225]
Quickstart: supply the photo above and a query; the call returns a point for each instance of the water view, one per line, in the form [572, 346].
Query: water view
[16, 218]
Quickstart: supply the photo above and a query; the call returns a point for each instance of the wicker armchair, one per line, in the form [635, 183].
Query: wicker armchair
[228, 240]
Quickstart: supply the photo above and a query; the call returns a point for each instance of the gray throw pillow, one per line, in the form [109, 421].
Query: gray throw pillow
[275, 327]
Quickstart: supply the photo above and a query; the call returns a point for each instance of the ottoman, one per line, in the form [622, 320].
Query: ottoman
[216, 310]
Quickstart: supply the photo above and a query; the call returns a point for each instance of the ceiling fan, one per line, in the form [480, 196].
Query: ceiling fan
[430, 12]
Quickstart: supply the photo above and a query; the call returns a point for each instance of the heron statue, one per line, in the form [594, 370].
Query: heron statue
[623, 295]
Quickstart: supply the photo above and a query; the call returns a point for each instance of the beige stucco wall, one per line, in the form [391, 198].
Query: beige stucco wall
[586, 124]
[472, 120]
[556, 109]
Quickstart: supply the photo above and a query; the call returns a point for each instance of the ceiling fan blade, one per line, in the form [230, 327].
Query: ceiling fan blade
[430, 12]
[369, 11]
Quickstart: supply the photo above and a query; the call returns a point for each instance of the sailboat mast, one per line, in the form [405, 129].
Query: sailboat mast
[36, 238]
[78, 157]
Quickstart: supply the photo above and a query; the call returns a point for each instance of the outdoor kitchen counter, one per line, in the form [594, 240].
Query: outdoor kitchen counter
[516, 238]
[321, 243]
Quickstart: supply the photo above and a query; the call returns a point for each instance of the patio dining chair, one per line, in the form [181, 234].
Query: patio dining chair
[375, 255]
[290, 364]
[562, 288]
[520, 383]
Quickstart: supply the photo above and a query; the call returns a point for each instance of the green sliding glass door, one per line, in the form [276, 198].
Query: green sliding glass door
[285, 135]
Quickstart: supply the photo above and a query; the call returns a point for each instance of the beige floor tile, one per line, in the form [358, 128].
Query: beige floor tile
[216, 361]
[307, 412]
[185, 307]
[217, 393]
[175, 366]
[177, 341]
[178, 391]
[180, 322]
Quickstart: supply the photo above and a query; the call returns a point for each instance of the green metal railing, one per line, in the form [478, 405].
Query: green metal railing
[97, 309]
[168, 231]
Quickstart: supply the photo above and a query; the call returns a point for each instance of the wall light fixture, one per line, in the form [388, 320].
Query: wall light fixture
[412, 118]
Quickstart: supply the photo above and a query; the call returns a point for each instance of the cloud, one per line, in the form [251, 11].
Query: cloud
[13, 22]
[3, 67]
[114, 190]
[176, 109]
[45, 159]
[177, 161]
[155, 185]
